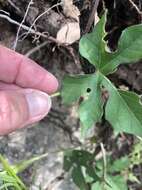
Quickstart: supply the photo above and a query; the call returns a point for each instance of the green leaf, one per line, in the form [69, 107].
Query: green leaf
[80, 163]
[100, 185]
[75, 87]
[18, 183]
[136, 154]
[133, 178]
[92, 45]
[8, 185]
[78, 178]
[117, 183]
[93, 48]
[114, 183]
[119, 164]
[79, 157]
[86, 87]
[20, 167]
[91, 175]
[123, 110]
[129, 49]
[6, 178]
[97, 186]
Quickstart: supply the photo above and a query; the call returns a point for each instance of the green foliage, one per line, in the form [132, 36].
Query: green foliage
[8, 174]
[87, 87]
[119, 164]
[129, 49]
[8, 177]
[97, 96]
[20, 167]
[93, 48]
[114, 183]
[87, 173]
[80, 163]
[136, 154]
[123, 109]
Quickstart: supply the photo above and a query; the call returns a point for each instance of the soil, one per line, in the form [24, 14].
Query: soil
[61, 128]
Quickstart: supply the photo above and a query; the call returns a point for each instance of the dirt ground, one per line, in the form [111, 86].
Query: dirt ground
[61, 128]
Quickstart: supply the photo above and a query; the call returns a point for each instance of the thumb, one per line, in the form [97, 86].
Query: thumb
[19, 108]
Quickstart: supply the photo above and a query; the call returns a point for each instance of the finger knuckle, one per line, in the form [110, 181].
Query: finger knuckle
[5, 108]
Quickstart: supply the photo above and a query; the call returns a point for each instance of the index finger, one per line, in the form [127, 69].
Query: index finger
[22, 71]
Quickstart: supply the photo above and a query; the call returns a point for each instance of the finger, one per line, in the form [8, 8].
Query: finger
[21, 108]
[16, 68]
[6, 86]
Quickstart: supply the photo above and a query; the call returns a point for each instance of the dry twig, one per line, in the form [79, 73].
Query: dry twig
[27, 29]
[7, 13]
[13, 5]
[44, 35]
[135, 7]
[45, 12]
[29, 53]
[92, 16]
[18, 31]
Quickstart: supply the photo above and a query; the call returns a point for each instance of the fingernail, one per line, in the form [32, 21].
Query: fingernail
[39, 104]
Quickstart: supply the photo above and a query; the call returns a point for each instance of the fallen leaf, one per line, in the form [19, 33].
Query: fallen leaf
[70, 10]
[69, 33]
[97, 19]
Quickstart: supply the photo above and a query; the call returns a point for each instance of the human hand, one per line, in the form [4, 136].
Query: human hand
[23, 91]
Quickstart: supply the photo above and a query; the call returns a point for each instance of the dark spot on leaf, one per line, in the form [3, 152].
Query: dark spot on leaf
[88, 90]
[105, 94]
[136, 154]
[81, 100]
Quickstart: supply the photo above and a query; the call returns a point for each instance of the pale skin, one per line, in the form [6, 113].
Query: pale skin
[24, 91]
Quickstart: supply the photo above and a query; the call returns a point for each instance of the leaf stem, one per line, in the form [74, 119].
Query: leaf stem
[104, 163]
[55, 94]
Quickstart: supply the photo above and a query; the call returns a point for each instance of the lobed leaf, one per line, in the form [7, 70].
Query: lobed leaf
[129, 49]
[76, 86]
[123, 110]
[92, 45]
[91, 107]
[93, 48]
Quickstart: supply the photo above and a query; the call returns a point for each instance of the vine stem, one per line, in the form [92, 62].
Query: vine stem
[104, 163]
[55, 94]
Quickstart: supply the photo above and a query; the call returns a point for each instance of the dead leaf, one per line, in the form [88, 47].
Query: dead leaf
[96, 18]
[69, 33]
[70, 10]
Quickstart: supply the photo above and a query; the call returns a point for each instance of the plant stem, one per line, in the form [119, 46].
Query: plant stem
[104, 163]
[55, 95]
